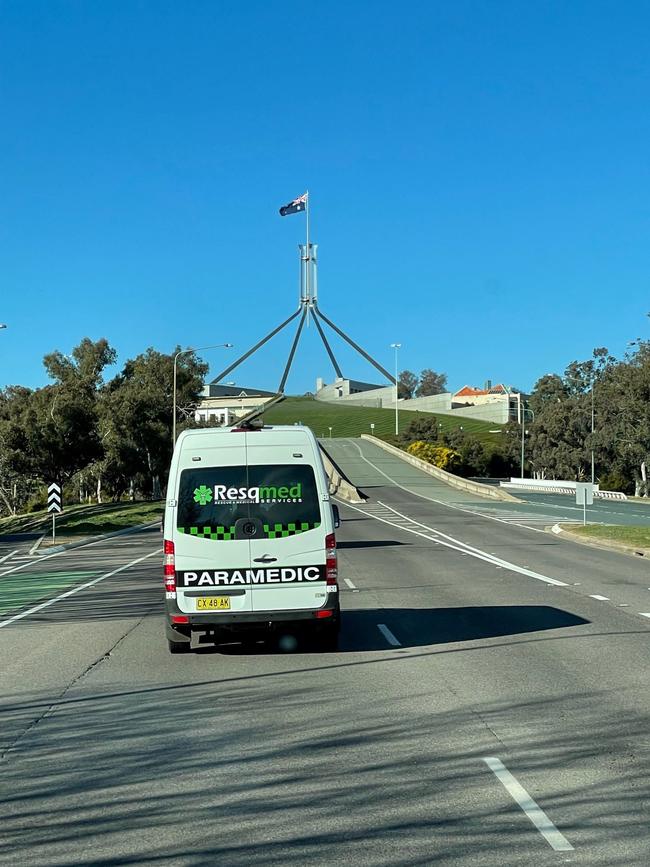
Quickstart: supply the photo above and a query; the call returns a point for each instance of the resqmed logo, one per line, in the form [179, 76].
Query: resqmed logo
[202, 495]
[291, 493]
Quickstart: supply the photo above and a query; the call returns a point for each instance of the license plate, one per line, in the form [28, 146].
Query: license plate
[212, 603]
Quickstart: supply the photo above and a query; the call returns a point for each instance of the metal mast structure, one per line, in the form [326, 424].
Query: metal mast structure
[307, 307]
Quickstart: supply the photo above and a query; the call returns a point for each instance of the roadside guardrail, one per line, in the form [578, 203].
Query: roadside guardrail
[339, 485]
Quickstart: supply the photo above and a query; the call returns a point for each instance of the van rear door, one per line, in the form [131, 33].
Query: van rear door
[291, 545]
[212, 544]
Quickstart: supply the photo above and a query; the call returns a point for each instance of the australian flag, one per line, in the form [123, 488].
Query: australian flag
[293, 207]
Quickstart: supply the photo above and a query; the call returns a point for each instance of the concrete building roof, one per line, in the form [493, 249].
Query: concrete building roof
[472, 391]
[213, 389]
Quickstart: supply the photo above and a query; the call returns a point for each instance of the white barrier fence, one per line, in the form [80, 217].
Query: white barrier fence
[558, 486]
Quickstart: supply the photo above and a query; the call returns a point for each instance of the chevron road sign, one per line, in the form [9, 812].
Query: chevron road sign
[54, 503]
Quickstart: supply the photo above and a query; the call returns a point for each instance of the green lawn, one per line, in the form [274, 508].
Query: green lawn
[635, 536]
[352, 421]
[84, 520]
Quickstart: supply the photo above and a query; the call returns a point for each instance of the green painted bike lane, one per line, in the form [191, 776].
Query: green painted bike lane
[22, 590]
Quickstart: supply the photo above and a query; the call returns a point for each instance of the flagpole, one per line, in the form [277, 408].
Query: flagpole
[308, 253]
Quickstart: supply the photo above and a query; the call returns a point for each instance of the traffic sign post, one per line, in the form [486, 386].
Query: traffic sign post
[54, 505]
[584, 497]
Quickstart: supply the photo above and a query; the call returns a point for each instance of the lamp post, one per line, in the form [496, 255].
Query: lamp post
[176, 357]
[524, 410]
[396, 346]
[330, 433]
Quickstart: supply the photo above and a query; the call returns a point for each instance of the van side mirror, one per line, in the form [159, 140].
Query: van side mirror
[337, 516]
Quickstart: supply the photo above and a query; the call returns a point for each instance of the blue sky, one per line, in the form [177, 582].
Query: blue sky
[479, 175]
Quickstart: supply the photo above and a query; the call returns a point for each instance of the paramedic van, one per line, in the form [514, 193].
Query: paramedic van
[249, 544]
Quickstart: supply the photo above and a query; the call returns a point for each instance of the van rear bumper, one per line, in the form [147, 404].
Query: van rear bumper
[258, 620]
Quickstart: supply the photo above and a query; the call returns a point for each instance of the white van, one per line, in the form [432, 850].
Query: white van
[249, 536]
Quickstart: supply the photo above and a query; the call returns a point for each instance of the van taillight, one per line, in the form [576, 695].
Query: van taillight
[169, 569]
[331, 563]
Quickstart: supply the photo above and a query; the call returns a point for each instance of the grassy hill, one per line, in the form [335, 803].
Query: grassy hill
[352, 421]
[85, 520]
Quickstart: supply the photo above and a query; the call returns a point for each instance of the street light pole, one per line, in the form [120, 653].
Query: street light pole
[524, 410]
[396, 346]
[176, 357]
[593, 475]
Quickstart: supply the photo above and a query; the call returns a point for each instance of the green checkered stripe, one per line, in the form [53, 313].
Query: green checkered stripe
[271, 531]
[217, 534]
[279, 531]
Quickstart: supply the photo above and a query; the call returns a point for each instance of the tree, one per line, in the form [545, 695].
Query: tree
[15, 485]
[52, 432]
[558, 446]
[423, 427]
[431, 383]
[406, 384]
[548, 389]
[622, 437]
[137, 416]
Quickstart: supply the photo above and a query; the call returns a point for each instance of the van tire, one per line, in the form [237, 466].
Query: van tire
[179, 646]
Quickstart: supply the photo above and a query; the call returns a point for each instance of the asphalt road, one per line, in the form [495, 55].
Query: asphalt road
[476, 667]
[535, 509]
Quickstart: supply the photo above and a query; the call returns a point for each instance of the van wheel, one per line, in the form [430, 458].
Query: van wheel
[179, 646]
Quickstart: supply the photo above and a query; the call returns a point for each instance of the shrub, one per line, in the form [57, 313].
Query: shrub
[440, 456]
[616, 482]
[37, 503]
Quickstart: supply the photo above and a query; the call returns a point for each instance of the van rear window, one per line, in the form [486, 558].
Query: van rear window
[283, 498]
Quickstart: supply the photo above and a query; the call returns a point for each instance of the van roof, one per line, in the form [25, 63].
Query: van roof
[223, 431]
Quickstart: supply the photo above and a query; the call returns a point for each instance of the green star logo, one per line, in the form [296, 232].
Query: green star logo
[202, 495]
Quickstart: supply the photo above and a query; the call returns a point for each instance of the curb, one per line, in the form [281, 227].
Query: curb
[90, 539]
[603, 544]
[36, 545]
[338, 485]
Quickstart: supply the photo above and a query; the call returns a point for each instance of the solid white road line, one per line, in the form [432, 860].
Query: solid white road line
[644, 613]
[483, 555]
[350, 584]
[441, 502]
[537, 816]
[29, 563]
[10, 554]
[474, 552]
[67, 550]
[74, 590]
[388, 635]
[599, 597]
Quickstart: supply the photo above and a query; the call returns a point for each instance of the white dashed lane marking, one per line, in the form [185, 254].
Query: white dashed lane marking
[388, 635]
[531, 808]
